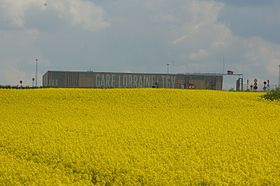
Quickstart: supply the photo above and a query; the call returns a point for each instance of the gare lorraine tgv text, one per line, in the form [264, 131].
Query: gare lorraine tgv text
[134, 81]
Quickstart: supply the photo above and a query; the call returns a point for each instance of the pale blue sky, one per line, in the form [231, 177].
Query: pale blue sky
[140, 36]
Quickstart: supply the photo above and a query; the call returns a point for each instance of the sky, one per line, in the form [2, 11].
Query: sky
[193, 36]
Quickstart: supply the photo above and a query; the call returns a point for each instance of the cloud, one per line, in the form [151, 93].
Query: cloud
[253, 21]
[17, 55]
[203, 23]
[203, 36]
[10, 74]
[263, 54]
[199, 55]
[206, 39]
[79, 13]
[247, 2]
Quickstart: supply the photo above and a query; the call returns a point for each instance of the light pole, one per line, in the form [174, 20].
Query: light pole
[33, 79]
[36, 75]
[167, 66]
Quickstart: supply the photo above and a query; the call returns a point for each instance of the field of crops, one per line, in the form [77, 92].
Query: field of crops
[138, 137]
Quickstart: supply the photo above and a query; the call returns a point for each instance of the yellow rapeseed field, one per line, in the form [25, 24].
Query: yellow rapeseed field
[138, 137]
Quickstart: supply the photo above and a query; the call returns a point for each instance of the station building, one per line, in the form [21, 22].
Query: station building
[73, 79]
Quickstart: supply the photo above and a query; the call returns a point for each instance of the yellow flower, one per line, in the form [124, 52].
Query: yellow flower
[138, 137]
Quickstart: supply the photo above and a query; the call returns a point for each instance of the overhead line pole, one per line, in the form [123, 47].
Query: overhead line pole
[167, 68]
[223, 64]
[36, 75]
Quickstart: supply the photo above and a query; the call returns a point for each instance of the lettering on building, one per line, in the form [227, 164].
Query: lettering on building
[134, 81]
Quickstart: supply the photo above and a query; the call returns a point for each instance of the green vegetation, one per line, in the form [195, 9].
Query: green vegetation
[273, 95]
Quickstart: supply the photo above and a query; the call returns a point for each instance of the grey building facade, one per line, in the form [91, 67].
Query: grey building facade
[68, 79]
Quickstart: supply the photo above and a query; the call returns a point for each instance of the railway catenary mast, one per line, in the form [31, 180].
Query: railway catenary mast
[132, 80]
